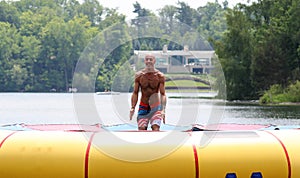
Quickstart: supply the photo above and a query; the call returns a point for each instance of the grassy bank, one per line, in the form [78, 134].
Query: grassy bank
[279, 95]
[187, 83]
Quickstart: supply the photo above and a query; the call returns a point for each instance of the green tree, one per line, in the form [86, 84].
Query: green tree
[63, 42]
[212, 23]
[9, 13]
[119, 46]
[34, 5]
[70, 9]
[31, 23]
[142, 25]
[185, 13]
[274, 59]
[141, 20]
[9, 62]
[167, 15]
[30, 48]
[93, 10]
[111, 17]
[235, 54]
[293, 15]
[123, 78]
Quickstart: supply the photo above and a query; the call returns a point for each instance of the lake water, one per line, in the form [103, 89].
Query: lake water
[68, 108]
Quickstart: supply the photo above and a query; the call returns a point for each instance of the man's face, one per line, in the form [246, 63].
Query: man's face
[149, 61]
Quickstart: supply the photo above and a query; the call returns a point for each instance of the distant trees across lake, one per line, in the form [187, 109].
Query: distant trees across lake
[41, 42]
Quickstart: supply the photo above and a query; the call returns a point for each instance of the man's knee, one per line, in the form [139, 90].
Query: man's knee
[155, 127]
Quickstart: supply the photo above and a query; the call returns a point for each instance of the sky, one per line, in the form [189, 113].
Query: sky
[126, 6]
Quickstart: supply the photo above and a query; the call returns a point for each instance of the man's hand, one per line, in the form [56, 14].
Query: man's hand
[131, 112]
[163, 115]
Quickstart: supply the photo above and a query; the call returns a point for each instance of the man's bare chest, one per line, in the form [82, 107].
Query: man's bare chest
[149, 80]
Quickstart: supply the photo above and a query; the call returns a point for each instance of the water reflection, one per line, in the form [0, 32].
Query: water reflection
[255, 113]
[59, 108]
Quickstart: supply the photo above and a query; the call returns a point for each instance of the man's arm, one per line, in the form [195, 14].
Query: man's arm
[163, 97]
[134, 97]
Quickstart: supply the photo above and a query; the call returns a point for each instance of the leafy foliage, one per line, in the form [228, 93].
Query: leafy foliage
[277, 94]
[41, 41]
[259, 49]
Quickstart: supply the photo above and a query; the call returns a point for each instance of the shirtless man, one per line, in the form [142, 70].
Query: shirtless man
[152, 106]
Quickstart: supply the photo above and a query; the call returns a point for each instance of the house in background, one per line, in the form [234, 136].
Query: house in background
[180, 61]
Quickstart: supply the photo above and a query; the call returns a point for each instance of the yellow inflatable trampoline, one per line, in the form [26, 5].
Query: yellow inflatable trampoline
[90, 154]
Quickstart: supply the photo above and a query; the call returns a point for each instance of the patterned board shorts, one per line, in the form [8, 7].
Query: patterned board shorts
[149, 114]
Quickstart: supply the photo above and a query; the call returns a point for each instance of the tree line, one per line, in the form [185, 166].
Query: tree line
[41, 42]
[260, 48]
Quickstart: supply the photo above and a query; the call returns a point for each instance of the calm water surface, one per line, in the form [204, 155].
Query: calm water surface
[66, 108]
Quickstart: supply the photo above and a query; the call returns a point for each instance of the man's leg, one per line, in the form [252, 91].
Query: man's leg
[155, 127]
[143, 123]
[142, 118]
[142, 128]
[156, 121]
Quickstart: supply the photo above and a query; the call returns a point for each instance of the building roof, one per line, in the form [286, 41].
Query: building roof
[199, 54]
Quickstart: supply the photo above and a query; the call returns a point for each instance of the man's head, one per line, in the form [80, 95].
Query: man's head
[149, 61]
